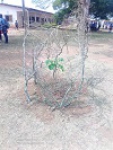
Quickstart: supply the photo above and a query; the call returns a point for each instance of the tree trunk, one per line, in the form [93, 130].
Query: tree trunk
[83, 9]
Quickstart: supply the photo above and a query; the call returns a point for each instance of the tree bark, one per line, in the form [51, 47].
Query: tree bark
[83, 10]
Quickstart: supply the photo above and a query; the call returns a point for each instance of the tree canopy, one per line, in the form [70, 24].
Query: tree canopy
[99, 8]
[64, 7]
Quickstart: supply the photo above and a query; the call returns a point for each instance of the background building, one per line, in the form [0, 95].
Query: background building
[33, 16]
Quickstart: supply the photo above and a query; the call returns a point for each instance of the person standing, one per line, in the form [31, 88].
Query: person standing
[4, 26]
[0, 33]
[16, 24]
[110, 27]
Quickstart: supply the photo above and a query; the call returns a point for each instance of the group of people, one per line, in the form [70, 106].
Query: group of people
[94, 25]
[4, 25]
[108, 25]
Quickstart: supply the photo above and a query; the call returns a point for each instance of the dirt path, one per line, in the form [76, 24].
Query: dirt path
[35, 127]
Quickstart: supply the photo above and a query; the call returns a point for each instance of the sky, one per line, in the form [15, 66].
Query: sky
[28, 3]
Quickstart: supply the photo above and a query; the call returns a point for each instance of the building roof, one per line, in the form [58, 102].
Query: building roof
[30, 9]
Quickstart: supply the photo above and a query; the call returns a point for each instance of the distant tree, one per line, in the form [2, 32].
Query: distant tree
[65, 8]
[99, 8]
[59, 16]
[62, 4]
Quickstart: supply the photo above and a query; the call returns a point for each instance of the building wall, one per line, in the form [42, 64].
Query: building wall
[10, 11]
[32, 15]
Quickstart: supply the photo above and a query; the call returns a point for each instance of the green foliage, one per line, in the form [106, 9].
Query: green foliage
[59, 16]
[57, 4]
[55, 64]
[99, 8]
[65, 8]
[62, 4]
[49, 25]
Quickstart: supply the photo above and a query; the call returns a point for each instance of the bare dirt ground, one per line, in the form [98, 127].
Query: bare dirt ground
[34, 126]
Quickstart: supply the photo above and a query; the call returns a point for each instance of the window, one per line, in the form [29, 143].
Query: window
[8, 17]
[31, 19]
[37, 19]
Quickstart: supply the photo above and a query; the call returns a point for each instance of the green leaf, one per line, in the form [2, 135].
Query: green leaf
[61, 67]
[52, 66]
[48, 62]
[61, 59]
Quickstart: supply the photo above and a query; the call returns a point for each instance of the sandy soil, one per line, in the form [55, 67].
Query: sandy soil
[34, 126]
